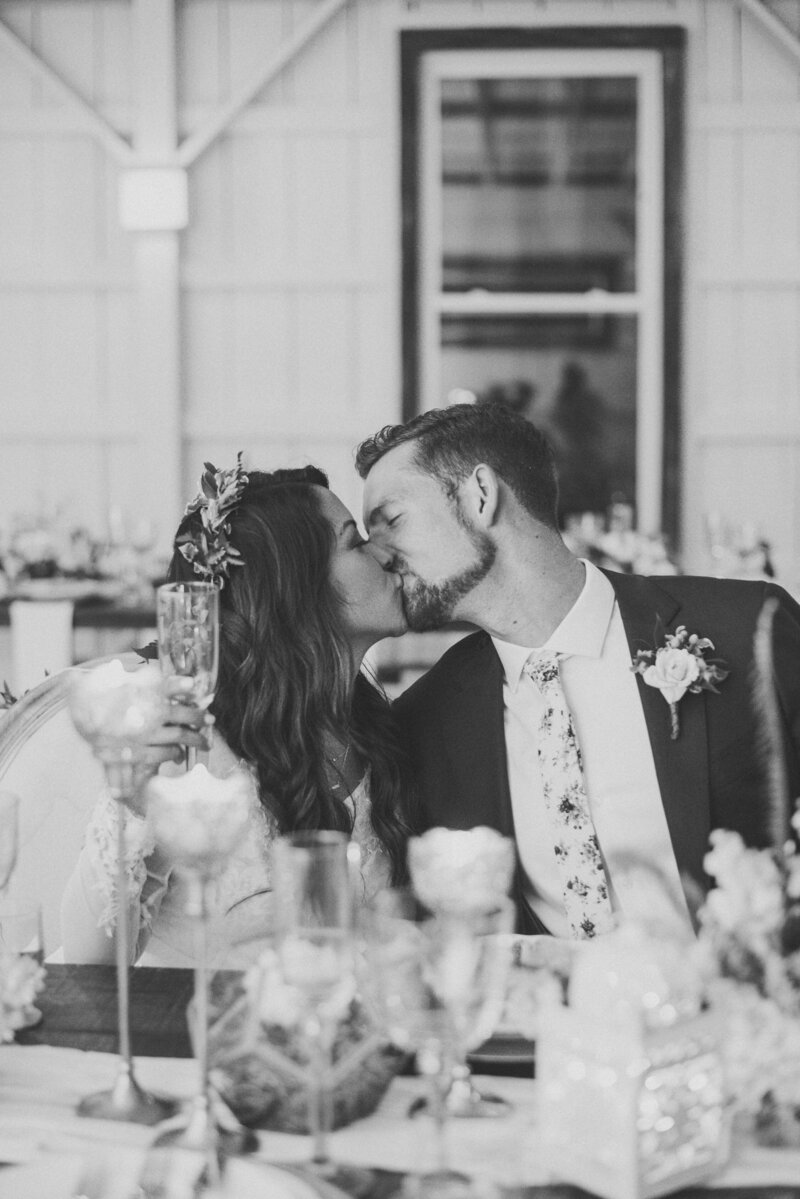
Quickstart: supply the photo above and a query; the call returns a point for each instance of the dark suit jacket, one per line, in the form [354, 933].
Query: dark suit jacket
[712, 776]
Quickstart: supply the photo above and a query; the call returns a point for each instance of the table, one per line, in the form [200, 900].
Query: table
[79, 1007]
[100, 614]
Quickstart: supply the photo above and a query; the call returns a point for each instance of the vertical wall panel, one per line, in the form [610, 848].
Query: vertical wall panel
[18, 225]
[770, 379]
[720, 216]
[67, 41]
[322, 353]
[322, 205]
[766, 75]
[721, 49]
[770, 197]
[262, 376]
[261, 204]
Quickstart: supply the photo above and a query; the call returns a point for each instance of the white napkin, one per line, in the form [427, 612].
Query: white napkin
[56, 1176]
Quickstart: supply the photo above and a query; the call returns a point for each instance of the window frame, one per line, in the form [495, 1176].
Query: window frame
[426, 55]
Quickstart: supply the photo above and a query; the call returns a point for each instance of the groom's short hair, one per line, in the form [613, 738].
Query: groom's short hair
[450, 442]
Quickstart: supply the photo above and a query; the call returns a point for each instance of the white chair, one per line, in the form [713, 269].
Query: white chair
[52, 769]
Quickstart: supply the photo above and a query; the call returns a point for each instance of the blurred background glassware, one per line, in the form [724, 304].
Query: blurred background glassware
[464, 876]
[187, 616]
[198, 820]
[118, 712]
[437, 982]
[314, 885]
[9, 834]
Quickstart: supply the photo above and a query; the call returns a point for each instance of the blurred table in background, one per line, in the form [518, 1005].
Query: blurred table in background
[99, 627]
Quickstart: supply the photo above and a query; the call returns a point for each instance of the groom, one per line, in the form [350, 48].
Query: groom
[537, 724]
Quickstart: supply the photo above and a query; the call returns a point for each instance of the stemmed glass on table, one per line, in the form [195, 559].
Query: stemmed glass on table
[118, 712]
[187, 615]
[437, 984]
[315, 950]
[198, 820]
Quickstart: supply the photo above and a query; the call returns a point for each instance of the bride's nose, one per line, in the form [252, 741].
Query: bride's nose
[381, 556]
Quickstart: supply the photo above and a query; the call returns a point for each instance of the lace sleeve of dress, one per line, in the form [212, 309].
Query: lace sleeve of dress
[144, 890]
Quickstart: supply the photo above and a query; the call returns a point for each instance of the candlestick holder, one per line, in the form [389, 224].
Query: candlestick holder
[117, 712]
[198, 820]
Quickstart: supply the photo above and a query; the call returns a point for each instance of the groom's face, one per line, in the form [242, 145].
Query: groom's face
[426, 537]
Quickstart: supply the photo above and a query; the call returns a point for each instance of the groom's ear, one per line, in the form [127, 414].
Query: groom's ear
[481, 492]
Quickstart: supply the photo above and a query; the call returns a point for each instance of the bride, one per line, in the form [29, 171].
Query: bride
[302, 599]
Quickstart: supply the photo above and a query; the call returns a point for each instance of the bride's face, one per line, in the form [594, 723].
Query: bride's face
[371, 596]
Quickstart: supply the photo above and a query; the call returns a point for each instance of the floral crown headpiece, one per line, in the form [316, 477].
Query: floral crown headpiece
[211, 552]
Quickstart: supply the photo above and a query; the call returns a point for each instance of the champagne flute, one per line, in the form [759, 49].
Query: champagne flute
[197, 821]
[436, 982]
[118, 712]
[187, 615]
[315, 947]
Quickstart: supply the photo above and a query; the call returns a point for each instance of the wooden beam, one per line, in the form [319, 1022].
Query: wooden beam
[774, 26]
[117, 146]
[199, 141]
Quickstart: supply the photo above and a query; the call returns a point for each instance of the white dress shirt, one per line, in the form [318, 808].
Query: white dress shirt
[619, 772]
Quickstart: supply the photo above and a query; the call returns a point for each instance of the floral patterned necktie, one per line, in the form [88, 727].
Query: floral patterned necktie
[584, 885]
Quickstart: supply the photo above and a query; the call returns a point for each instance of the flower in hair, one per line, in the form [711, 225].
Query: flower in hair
[211, 552]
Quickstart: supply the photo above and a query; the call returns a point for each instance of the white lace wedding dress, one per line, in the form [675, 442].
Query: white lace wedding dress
[161, 932]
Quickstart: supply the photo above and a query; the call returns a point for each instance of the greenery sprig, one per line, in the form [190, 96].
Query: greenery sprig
[211, 552]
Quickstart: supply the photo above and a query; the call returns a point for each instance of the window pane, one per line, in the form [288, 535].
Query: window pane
[539, 184]
[573, 376]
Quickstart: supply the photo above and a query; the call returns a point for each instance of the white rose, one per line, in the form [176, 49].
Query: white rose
[673, 672]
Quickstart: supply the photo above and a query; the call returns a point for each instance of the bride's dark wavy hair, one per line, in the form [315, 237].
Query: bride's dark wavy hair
[285, 676]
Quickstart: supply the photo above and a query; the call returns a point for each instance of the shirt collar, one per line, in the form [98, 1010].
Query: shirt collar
[581, 633]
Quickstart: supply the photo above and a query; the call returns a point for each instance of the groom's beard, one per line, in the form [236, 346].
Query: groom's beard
[431, 605]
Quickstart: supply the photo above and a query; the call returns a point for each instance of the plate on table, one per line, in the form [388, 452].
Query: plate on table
[504, 1049]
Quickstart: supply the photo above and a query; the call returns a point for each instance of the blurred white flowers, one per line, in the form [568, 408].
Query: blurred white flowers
[21, 979]
[750, 937]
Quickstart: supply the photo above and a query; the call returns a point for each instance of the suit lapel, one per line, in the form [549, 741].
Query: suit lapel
[649, 611]
[475, 724]
[474, 727]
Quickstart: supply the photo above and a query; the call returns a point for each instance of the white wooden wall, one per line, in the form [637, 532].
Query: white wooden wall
[286, 316]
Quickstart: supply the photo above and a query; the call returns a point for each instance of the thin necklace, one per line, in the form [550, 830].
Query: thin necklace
[333, 759]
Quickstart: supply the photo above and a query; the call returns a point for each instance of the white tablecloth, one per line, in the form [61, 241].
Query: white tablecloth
[60, 1155]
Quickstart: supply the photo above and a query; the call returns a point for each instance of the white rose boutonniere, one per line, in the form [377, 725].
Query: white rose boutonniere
[680, 665]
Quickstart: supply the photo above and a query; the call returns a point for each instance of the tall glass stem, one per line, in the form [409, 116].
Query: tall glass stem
[199, 910]
[125, 1100]
[319, 1093]
[123, 980]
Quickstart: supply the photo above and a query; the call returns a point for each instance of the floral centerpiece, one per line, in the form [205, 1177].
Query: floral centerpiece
[21, 980]
[37, 548]
[750, 938]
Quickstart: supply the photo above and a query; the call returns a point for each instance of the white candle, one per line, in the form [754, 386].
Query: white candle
[198, 819]
[113, 705]
[461, 869]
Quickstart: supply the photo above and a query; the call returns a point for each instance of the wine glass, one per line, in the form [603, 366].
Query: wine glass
[197, 821]
[187, 615]
[437, 983]
[461, 873]
[315, 948]
[118, 712]
[9, 832]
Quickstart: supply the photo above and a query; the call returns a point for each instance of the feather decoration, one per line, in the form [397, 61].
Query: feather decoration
[768, 729]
